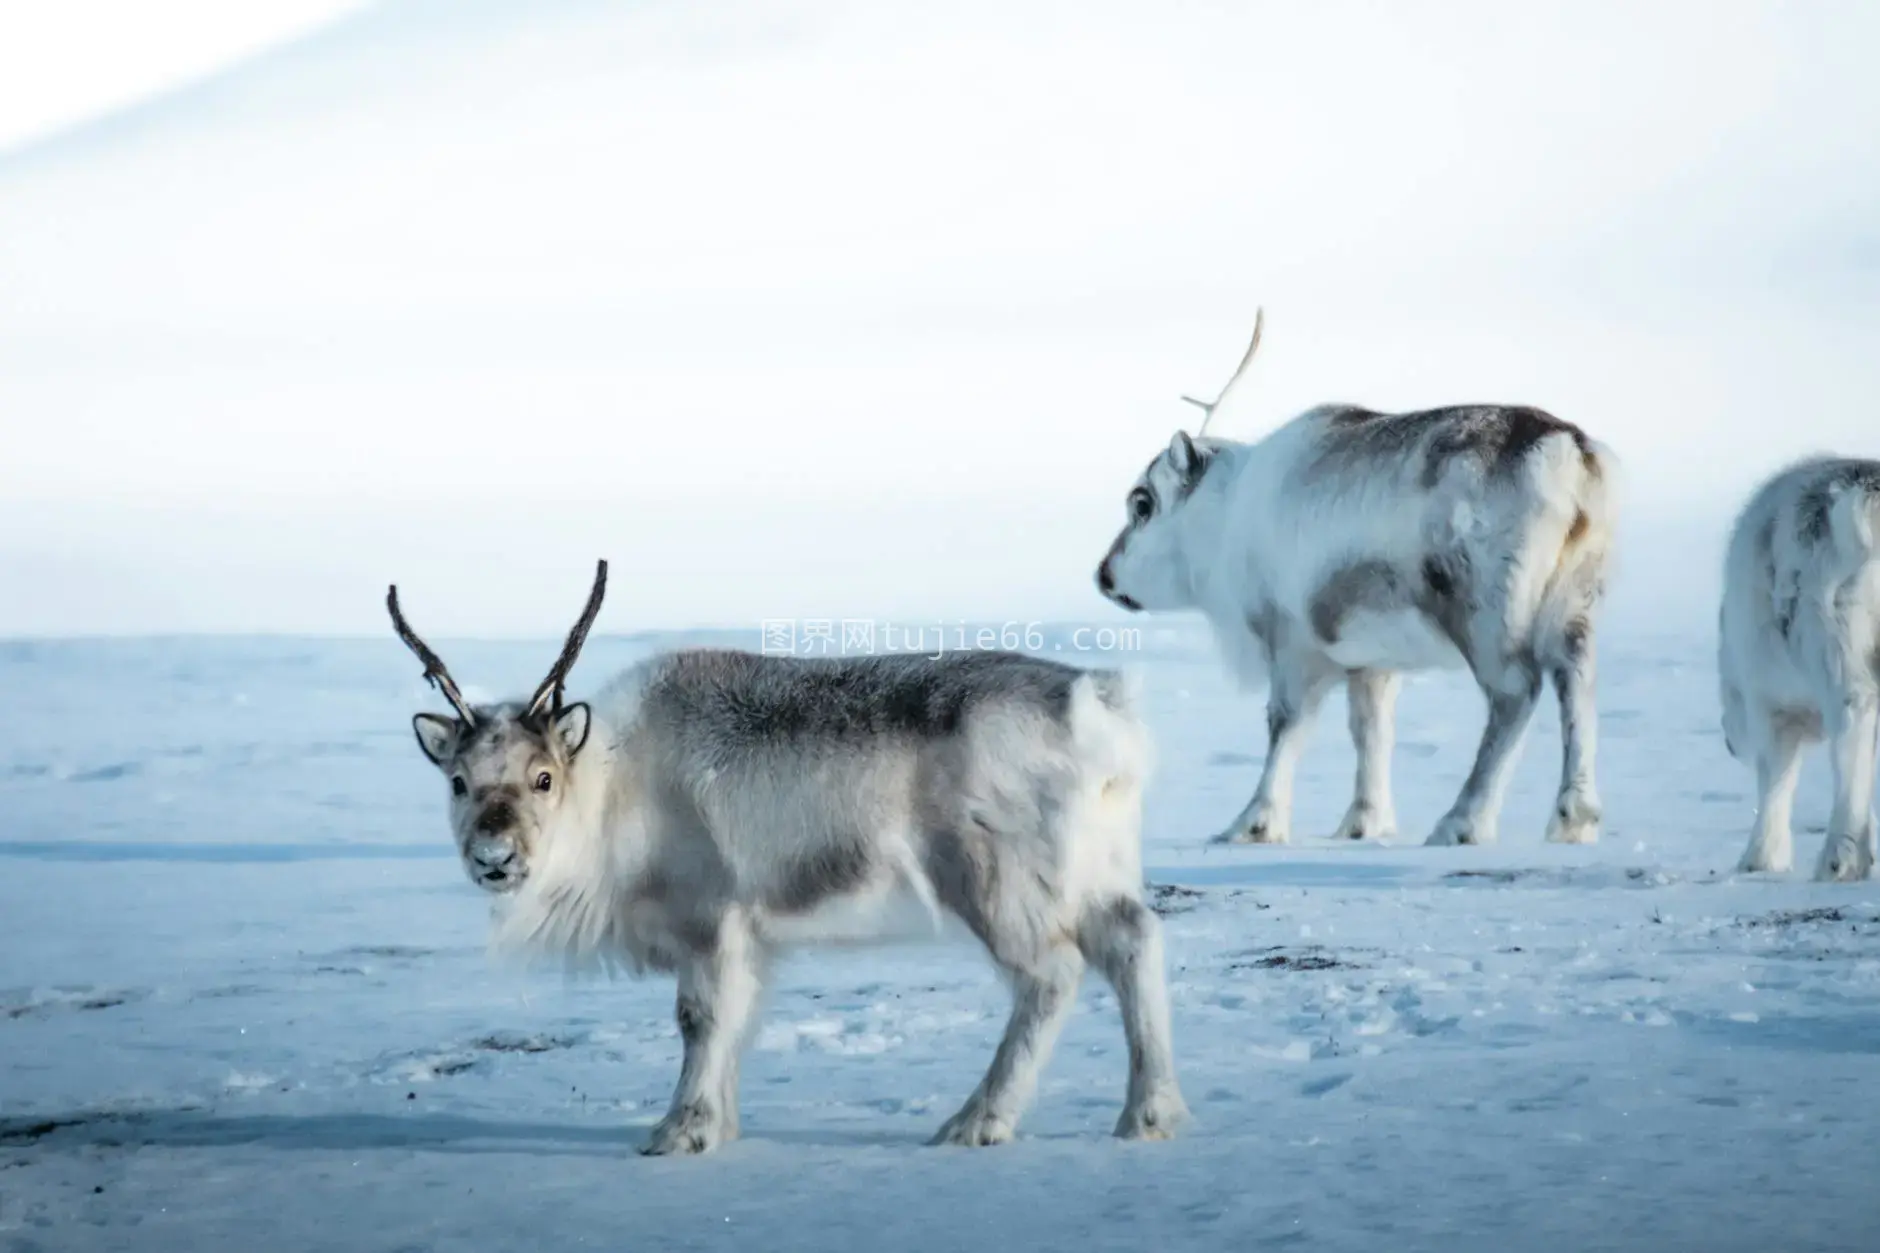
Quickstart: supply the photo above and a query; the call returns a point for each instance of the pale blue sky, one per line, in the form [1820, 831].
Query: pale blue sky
[833, 309]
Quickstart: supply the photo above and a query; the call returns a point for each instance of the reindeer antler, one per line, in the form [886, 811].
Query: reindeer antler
[1208, 407]
[434, 671]
[558, 673]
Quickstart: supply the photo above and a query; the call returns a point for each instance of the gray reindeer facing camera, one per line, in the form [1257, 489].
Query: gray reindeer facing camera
[710, 809]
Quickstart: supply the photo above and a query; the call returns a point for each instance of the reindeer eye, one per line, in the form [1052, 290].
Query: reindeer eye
[542, 781]
[458, 786]
[1141, 504]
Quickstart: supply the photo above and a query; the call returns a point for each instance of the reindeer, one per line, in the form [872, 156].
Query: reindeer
[711, 809]
[1356, 545]
[1798, 653]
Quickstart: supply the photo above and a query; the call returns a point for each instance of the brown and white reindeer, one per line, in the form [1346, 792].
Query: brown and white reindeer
[1351, 546]
[709, 809]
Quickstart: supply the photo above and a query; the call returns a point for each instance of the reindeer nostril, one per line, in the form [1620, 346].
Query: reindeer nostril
[492, 856]
[1104, 581]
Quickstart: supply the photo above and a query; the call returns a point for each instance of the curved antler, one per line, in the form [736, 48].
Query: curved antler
[558, 673]
[434, 671]
[1208, 407]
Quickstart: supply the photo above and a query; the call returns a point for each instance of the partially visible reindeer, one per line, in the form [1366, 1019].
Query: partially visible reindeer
[1798, 657]
[712, 808]
[1354, 545]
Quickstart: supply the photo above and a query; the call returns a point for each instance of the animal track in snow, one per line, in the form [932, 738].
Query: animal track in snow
[40, 1003]
[1278, 957]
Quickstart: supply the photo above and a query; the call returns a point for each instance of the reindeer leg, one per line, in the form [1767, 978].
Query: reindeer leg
[718, 992]
[1298, 685]
[1372, 697]
[1123, 939]
[1778, 745]
[1848, 853]
[1043, 993]
[1512, 694]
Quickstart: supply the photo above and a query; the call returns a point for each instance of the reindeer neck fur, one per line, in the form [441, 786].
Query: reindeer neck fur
[1226, 545]
[574, 906]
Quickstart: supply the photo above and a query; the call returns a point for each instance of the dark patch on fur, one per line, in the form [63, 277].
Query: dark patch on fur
[1788, 603]
[1574, 639]
[1360, 434]
[495, 726]
[845, 698]
[497, 818]
[1265, 625]
[834, 868]
[958, 866]
[1341, 417]
[1814, 507]
[1280, 714]
[693, 1018]
[1365, 585]
[1120, 916]
[1444, 597]
[692, 912]
[1813, 516]
[1496, 437]
[698, 935]
[490, 732]
[1499, 438]
[964, 867]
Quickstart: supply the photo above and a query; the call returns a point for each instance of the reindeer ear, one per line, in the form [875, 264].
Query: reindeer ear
[1182, 455]
[572, 725]
[437, 736]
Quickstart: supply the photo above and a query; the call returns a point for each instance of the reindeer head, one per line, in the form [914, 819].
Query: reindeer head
[1147, 565]
[507, 763]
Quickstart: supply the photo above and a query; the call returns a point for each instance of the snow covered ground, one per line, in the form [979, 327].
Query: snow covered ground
[244, 1004]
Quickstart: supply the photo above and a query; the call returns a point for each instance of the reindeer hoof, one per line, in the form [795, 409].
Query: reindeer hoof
[1261, 831]
[1763, 862]
[1580, 831]
[690, 1131]
[1365, 823]
[1766, 857]
[1155, 1118]
[974, 1127]
[1455, 831]
[1575, 821]
[1845, 859]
